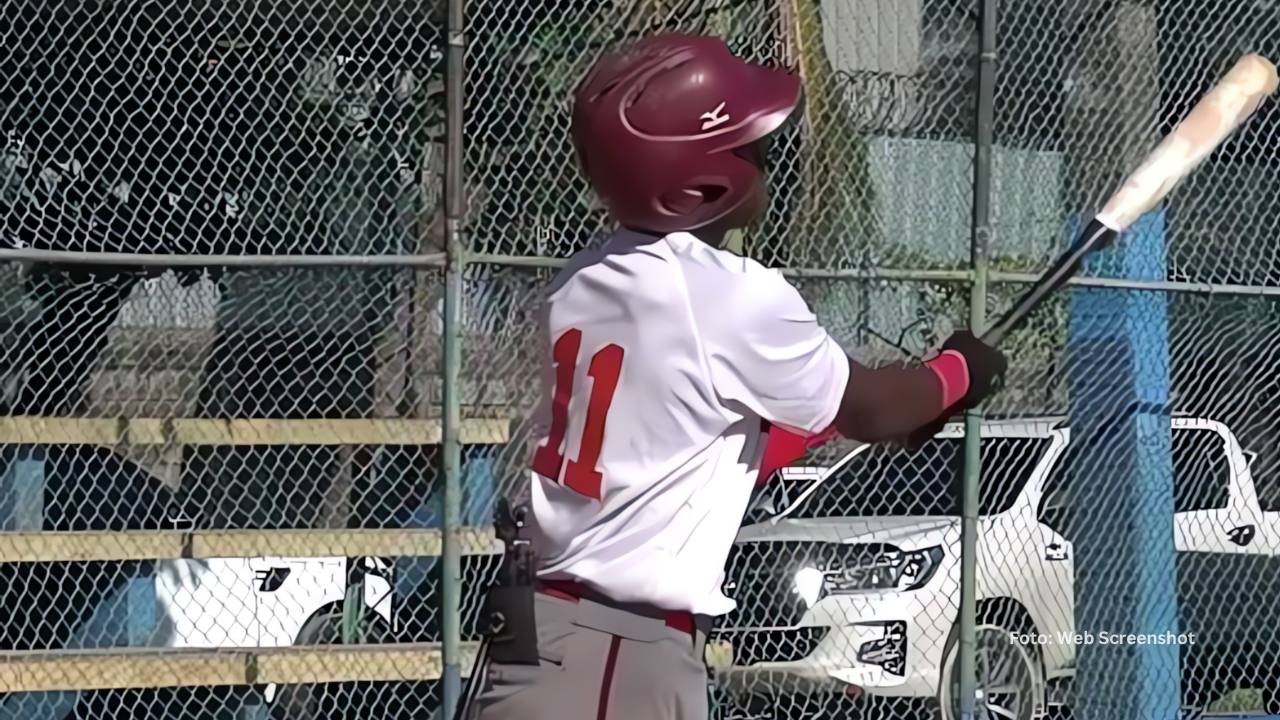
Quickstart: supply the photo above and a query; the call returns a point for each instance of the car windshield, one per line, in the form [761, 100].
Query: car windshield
[885, 481]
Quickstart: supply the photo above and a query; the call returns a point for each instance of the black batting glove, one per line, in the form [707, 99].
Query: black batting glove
[986, 366]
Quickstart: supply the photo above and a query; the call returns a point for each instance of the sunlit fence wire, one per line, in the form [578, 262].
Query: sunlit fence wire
[220, 477]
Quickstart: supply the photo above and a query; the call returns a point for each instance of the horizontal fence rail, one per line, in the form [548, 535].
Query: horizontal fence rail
[20, 547]
[171, 432]
[145, 668]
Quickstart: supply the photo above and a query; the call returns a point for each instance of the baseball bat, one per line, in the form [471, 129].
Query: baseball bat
[1223, 109]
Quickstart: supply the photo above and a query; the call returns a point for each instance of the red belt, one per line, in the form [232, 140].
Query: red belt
[575, 592]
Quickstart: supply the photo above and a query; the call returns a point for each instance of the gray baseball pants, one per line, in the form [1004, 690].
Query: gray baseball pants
[599, 662]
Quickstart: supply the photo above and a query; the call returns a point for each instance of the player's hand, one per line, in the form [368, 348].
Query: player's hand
[986, 367]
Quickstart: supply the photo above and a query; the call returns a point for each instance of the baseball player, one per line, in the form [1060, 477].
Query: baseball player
[677, 374]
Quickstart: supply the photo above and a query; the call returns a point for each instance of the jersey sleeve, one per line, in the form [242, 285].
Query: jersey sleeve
[766, 350]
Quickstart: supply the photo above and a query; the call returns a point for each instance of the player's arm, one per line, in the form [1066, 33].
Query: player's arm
[773, 356]
[892, 402]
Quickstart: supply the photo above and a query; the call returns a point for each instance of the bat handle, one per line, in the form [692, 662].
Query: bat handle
[995, 334]
[1095, 236]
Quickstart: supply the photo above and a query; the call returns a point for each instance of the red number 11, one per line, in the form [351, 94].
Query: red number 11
[581, 475]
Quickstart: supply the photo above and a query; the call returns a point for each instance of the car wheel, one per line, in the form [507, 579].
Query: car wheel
[1010, 677]
[315, 702]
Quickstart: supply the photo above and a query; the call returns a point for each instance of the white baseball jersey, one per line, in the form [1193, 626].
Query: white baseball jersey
[664, 356]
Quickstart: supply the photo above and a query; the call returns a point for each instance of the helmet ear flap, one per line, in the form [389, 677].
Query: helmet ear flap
[686, 201]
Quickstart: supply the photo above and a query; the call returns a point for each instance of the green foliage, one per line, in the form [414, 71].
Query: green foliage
[831, 211]
[1238, 701]
[823, 215]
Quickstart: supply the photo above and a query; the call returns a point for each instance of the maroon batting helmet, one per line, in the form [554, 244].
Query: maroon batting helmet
[665, 131]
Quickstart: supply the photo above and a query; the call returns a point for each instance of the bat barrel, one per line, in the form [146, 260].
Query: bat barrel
[1223, 109]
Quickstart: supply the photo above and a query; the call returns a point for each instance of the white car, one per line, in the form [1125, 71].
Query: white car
[854, 586]
[266, 602]
[260, 602]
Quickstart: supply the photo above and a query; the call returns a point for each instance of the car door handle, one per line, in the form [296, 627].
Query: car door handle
[1055, 552]
[1242, 534]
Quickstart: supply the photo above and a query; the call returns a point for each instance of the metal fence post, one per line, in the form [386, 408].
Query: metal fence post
[980, 239]
[455, 211]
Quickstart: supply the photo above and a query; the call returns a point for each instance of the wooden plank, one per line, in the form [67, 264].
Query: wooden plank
[19, 547]
[61, 670]
[36, 430]
[32, 430]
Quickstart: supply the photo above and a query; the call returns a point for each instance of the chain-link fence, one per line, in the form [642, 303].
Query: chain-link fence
[223, 464]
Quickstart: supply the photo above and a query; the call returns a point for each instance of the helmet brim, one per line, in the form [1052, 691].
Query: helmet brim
[780, 95]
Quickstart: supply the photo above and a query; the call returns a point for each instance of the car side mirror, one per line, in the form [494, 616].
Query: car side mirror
[1249, 457]
[1055, 510]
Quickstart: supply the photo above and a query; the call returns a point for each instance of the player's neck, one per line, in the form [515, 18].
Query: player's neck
[711, 236]
[715, 237]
